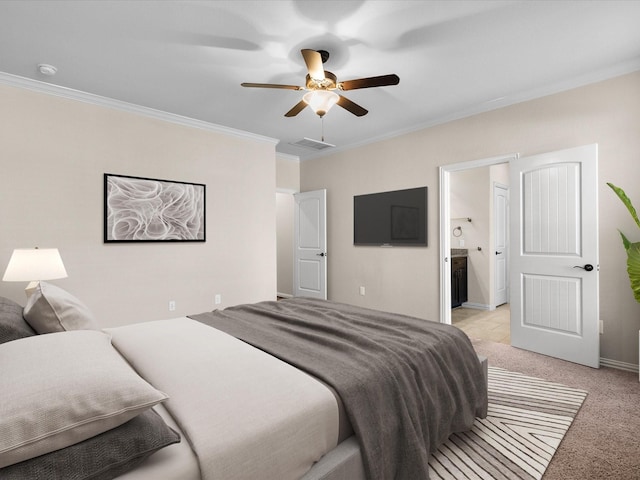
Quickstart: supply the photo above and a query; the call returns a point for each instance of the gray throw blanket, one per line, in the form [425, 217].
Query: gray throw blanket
[406, 383]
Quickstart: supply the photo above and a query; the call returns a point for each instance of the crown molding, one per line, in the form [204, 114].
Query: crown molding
[69, 93]
[614, 71]
[287, 157]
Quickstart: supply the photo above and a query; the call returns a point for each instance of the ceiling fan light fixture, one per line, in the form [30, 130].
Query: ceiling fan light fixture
[320, 85]
[321, 101]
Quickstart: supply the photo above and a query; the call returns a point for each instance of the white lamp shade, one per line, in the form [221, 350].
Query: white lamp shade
[321, 100]
[26, 265]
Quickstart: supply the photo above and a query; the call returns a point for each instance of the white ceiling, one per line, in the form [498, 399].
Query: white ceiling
[454, 58]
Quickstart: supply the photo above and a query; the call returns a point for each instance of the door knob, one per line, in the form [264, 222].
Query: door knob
[321, 254]
[498, 253]
[588, 267]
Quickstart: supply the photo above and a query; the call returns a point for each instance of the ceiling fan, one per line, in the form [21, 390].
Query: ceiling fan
[321, 85]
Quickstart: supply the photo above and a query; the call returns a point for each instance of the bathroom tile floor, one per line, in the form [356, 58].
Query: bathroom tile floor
[484, 324]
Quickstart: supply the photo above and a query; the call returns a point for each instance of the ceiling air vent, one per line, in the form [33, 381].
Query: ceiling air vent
[313, 144]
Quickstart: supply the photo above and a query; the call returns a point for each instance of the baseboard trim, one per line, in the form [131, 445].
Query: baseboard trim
[284, 295]
[629, 367]
[476, 306]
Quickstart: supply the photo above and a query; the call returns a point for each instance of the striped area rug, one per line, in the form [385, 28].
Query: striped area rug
[528, 417]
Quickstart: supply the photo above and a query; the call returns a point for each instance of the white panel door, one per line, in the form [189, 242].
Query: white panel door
[501, 244]
[554, 254]
[310, 245]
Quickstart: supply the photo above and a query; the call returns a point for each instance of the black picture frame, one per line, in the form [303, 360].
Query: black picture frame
[139, 209]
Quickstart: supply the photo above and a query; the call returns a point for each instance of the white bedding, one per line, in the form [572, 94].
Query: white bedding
[245, 414]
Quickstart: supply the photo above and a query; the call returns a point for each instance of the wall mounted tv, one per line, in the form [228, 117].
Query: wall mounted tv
[391, 218]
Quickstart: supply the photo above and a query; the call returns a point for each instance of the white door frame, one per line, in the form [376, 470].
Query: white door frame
[445, 225]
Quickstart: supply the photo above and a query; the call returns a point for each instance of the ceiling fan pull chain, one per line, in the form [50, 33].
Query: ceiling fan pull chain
[322, 122]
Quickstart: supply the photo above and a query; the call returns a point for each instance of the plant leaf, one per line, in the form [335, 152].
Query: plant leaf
[627, 202]
[633, 268]
[625, 241]
[633, 249]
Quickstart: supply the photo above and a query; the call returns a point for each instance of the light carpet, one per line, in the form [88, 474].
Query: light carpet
[527, 419]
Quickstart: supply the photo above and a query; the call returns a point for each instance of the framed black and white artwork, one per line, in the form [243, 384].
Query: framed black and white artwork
[138, 209]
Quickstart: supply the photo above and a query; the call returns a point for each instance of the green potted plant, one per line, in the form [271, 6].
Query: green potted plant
[633, 249]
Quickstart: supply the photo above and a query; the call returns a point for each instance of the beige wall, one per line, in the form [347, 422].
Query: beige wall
[53, 153]
[287, 182]
[287, 173]
[284, 227]
[407, 279]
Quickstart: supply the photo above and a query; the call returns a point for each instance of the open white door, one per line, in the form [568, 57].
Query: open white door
[501, 244]
[554, 254]
[310, 245]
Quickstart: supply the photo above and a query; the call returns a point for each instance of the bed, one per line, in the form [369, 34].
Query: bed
[297, 389]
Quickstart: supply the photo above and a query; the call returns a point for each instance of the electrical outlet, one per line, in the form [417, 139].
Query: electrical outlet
[172, 305]
[601, 327]
[362, 291]
[218, 299]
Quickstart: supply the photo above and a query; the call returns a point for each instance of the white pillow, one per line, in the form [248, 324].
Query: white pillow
[52, 309]
[62, 388]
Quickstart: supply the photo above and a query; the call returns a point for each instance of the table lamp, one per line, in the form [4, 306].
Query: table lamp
[32, 265]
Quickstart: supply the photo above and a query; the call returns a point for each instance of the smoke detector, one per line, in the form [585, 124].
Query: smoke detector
[46, 69]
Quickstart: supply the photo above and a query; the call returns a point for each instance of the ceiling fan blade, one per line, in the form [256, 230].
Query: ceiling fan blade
[381, 81]
[272, 85]
[313, 60]
[296, 109]
[352, 107]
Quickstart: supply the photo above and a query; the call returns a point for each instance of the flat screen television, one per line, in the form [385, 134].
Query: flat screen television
[391, 218]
